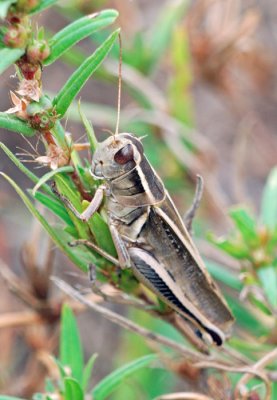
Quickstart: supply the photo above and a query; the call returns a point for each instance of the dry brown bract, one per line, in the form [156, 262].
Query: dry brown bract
[56, 157]
[20, 106]
[29, 89]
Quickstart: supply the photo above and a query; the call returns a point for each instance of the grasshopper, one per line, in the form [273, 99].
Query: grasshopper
[150, 236]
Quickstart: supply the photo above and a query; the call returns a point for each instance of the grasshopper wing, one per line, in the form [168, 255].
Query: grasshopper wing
[174, 269]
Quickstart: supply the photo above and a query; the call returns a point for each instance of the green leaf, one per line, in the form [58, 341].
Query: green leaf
[50, 175]
[179, 93]
[55, 206]
[223, 275]
[59, 133]
[110, 383]
[55, 237]
[246, 225]
[235, 248]
[10, 398]
[85, 255]
[65, 187]
[73, 390]
[25, 170]
[39, 396]
[77, 80]
[268, 279]
[269, 202]
[274, 391]
[62, 370]
[43, 4]
[4, 7]
[68, 189]
[245, 318]
[13, 123]
[71, 352]
[87, 372]
[89, 129]
[102, 234]
[8, 57]
[163, 28]
[250, 348]
[77, 31]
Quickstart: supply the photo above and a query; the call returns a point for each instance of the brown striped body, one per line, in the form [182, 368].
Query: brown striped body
[162, 252]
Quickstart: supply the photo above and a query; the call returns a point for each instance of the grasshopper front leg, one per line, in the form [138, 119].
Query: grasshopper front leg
[122, 252]
[190, 214]
[92, 207]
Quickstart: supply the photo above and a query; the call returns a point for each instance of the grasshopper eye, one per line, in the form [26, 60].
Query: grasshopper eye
[124, 155]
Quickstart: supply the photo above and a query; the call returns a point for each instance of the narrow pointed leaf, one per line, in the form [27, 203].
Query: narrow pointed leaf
[77, 80]
[72, 195]
[14, 124]
[163, 28]
[2, 397]
[221, 274]
[83, 254]
[4, 7]
[59, 133]
[89, 129]
[73, 390]
[245, 318]
[55, 206]
[102, 234]
[88, 371]
[77, 31]
[71, 352]
[25, 170]
[233, 247]
[68, 189]
[110, 383]
[246, 225]
[8, 57]
[269, 201]
[62, 370]
[43, 4]
[274, 390]
[50, 174]
[268, 279]
[55, 237]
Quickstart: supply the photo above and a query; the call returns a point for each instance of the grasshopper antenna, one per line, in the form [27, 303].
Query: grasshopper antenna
[119, 85]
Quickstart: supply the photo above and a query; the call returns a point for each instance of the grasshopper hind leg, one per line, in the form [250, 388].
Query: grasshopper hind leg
[190, 214]
[148, 271]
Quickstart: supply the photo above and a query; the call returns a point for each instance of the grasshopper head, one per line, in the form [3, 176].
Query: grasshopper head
[116, 156]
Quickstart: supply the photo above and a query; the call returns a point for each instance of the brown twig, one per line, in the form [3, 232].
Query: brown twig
[19, 319]
[267, 359]
[18, 287]
[249, 370]
[129, 325]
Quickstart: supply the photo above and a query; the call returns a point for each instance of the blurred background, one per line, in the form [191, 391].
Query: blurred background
[199, 79]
